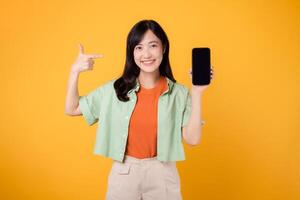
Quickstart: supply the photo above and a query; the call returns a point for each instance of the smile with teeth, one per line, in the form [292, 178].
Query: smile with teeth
[148, 62]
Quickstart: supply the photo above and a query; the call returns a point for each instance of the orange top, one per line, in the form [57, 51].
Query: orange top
[142, 134]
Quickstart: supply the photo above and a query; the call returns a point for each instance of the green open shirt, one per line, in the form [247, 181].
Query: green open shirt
[102, 105]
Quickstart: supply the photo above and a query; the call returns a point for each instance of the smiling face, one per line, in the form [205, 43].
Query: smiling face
[148, 54]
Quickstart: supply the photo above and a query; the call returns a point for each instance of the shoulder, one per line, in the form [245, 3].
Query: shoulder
[180, 88]
[107, 85]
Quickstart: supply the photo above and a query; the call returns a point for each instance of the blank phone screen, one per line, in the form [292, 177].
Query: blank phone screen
[201, 66]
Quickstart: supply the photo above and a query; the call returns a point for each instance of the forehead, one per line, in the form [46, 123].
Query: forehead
[149, 37]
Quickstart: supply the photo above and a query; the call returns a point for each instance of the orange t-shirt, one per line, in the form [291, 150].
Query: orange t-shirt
[142, 134]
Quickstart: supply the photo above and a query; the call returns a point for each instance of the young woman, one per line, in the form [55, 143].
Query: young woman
[143, 116]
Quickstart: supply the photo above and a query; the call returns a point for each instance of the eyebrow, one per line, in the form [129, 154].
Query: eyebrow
[154, 41]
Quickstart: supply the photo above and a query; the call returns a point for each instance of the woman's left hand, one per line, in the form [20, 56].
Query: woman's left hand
[201, 88]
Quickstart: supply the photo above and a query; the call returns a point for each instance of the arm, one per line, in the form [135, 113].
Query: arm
[72, 98]
[84, 62]
[192, 132]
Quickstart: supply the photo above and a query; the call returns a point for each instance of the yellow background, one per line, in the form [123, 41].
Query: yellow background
[250, 145]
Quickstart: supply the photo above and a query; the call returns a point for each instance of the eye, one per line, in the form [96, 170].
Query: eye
[153, 45]
[138, 47]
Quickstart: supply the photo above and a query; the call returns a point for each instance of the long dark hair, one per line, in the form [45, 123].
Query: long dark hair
[131, 71]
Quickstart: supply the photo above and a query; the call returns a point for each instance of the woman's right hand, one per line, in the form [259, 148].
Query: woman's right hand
[84, 62]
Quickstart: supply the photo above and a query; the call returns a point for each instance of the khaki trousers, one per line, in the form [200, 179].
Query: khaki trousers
[143, 179]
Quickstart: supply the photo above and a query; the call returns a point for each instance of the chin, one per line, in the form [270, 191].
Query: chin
[148, 71]
[148, 68]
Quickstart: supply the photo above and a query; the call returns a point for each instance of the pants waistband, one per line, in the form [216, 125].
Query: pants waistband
[131, 159]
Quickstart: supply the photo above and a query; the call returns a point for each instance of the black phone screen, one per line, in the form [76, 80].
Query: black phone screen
[201, 66]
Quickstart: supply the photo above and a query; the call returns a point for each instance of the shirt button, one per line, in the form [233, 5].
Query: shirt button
[126, 117]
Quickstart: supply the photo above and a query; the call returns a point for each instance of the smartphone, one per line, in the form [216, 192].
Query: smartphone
[201, 66]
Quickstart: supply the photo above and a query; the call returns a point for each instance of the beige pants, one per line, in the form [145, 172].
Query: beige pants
[143, 179]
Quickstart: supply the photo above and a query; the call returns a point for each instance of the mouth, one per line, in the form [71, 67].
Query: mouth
[148, 62]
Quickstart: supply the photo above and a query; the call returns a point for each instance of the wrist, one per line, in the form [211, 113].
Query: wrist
[197, 90]
[74, 71]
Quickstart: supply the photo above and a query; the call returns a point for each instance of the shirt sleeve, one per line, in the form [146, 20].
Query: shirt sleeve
[90, 105]
[187, 110]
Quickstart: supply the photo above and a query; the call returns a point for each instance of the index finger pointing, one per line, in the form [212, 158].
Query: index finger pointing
[94, 55]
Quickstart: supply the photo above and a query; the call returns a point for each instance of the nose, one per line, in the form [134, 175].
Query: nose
[147, 53]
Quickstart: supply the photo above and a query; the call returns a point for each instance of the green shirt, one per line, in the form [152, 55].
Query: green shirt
[102, 105]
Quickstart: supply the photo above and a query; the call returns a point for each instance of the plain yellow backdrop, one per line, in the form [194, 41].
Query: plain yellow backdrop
[250, 144]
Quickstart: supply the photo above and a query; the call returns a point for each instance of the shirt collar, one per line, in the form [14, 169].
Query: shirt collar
[137, 86]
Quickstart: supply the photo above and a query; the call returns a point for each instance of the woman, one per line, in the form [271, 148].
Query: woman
[143, 116]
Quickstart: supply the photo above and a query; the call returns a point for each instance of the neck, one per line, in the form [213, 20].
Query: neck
[149, 80]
